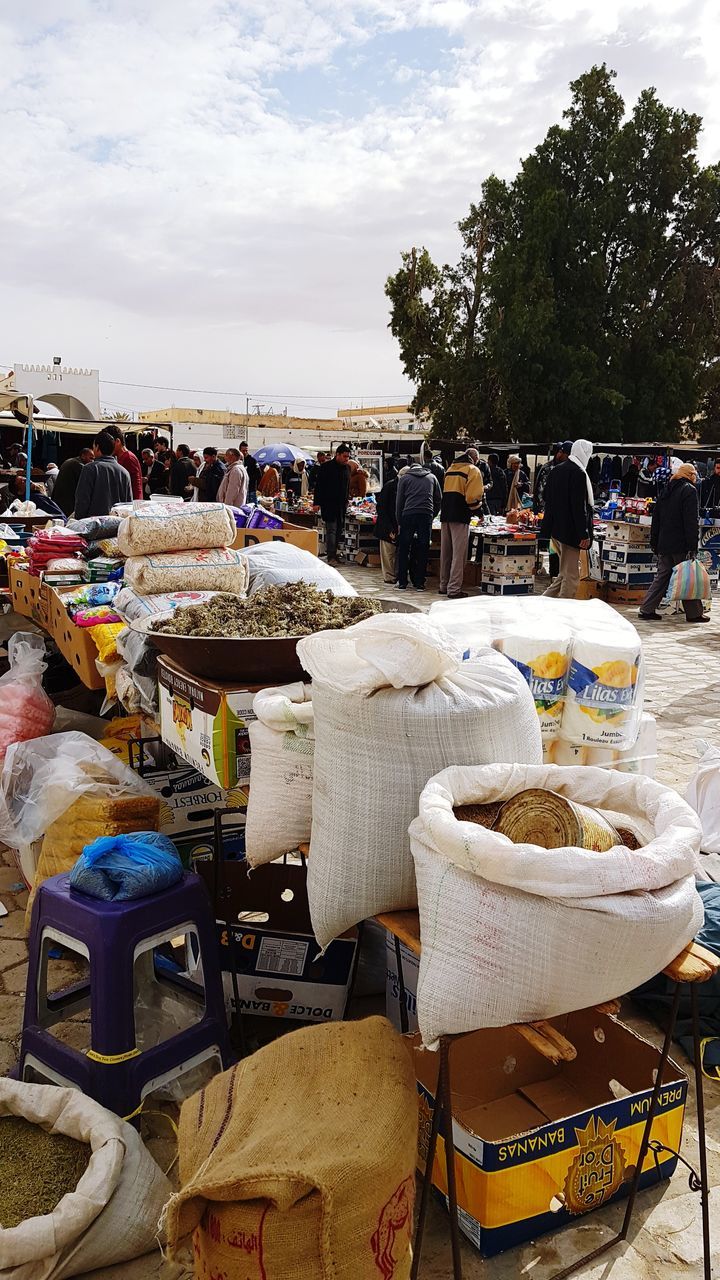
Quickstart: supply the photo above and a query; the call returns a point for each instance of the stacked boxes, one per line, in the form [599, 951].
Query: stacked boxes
[627, 559]
[508, 565]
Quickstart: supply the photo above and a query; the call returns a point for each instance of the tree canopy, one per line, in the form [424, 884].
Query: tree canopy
[586, 300]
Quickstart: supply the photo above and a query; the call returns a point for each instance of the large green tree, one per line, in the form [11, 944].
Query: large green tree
[590, 284]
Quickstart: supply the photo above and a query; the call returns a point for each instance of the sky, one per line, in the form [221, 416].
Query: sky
[207, 196]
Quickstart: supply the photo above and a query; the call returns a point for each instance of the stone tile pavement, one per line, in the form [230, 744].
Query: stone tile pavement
[683, 691]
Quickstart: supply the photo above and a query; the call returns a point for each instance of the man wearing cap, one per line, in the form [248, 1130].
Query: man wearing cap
[332, 489]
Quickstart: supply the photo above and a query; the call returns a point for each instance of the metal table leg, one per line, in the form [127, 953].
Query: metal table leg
[700, 1102]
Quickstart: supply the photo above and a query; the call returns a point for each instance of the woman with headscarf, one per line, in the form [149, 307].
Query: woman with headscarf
[674, 537]
[297, 482]
[518, 482]
[269, 485]
[568, 517]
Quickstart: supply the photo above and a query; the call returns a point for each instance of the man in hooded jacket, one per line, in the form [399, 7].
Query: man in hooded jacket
[674, 537]
[568, 517]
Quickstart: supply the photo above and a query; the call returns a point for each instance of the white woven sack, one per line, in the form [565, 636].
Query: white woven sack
[513, 932]
[394, 703]
[112, 1215]
[158, 528]
[279, 811]
[214, 569]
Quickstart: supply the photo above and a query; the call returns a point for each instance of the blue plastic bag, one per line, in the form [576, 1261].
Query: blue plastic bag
[118, 868]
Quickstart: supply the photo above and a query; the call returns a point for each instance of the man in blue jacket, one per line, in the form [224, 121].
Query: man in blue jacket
[418, 502]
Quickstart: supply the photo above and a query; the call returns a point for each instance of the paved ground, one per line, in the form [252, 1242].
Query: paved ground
[683, 692]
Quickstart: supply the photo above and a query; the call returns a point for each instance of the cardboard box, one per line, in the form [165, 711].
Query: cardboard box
[30, 596]
[507, 586]
[206, 724]
[538, 1146]
[280, 971]
[75, 643]
[627, 554]
[510, 546]
[515, 566]
[620, 531]
[589, 589]
[631, 575]
[306, 539]
[188, 801]
[411, 969]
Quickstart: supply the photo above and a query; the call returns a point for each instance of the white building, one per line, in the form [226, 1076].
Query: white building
[75, 393]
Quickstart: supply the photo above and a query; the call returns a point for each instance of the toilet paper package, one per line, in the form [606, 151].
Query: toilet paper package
[543, 659]
[604, 693]
[640, 758]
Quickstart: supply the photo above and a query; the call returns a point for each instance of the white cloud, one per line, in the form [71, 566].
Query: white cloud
[170, 206]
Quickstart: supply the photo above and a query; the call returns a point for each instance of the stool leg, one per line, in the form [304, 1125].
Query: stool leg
[401, 988]
[644, 1146]
[426, 1185]
[700, 1102]
[445, 1094]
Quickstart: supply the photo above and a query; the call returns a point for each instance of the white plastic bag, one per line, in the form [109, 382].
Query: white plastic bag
[703, 795]
[282, 745]
[515, 932]
[274, 563]
[393, 704]
[112, 1215]
[41, 779]
[25, 709]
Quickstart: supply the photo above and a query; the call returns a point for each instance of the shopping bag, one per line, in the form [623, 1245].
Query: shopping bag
[690, 581]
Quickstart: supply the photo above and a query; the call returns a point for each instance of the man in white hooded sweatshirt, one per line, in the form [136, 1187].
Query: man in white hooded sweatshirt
[568, 517]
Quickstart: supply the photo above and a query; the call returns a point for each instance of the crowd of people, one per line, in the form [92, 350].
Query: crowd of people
[565, 491]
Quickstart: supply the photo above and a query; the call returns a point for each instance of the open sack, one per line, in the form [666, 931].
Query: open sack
[516, 933]
[394, 702]
[113, 1214]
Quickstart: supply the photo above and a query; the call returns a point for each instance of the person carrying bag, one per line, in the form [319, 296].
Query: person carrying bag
[674, 537]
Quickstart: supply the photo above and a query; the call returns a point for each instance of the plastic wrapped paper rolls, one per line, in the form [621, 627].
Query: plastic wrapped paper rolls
[604, 695]
[640, 758]
[543, 659]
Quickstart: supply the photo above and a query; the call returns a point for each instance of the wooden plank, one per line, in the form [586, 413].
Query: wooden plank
[404, 925]
[694, 964]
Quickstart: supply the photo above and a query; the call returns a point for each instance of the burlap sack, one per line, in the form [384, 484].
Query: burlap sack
[298, 1164]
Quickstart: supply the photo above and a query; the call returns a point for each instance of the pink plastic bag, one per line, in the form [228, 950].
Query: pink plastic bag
[25, 709]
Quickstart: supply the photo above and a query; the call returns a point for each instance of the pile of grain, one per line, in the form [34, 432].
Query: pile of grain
[294, 609]
[36, 1169]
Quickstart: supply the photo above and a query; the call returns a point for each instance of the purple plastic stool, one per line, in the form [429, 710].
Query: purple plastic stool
[114, 1071]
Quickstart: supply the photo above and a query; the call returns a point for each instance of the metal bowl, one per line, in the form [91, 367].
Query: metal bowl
[243, 661]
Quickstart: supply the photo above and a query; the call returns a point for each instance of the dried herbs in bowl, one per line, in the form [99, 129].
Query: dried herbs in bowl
[289, 611]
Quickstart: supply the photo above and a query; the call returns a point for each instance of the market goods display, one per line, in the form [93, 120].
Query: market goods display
[156, 527]
[36, 1169]
[111, 1214]
[218, 569]
[297, 609]
[537, 816]
[516, 932]
[393, 704]
[543, 659]
[66, 790]
[300, 1163]
[51, 544]
[274, 563]
[282, 746]
[588, 688]
[25, 709]
[602, 689]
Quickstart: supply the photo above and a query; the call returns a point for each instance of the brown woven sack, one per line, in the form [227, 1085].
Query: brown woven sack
[298, 1164]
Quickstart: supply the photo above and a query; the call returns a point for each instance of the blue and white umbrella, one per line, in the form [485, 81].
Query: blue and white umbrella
[280, 455]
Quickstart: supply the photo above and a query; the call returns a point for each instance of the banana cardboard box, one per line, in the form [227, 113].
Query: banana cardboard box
[206, 724]
[539, 1146]
[188, 801]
